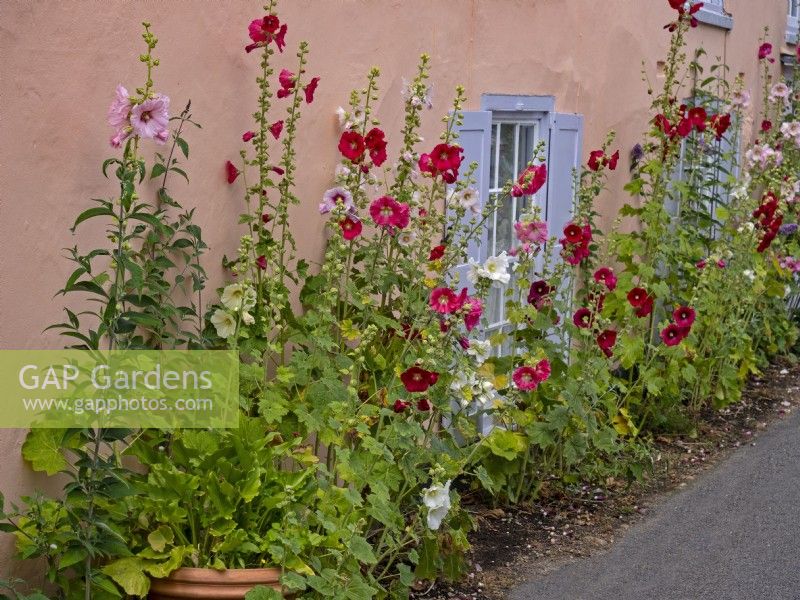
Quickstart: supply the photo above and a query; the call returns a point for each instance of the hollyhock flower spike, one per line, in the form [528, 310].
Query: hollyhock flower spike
[416, 379]
[351, 228]
[231, 172]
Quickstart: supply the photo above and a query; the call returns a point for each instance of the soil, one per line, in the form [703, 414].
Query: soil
[564, 525]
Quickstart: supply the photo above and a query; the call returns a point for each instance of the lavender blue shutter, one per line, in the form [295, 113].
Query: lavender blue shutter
[564, 155]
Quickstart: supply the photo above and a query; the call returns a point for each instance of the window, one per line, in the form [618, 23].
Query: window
[502, 137]
[713, 13]
[793, 21]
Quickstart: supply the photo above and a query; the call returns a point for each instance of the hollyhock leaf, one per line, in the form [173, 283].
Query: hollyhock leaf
[506, 444]
[183, 145]
[43, 450]
[158, 169]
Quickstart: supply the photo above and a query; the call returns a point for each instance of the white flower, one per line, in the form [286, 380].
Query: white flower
[470, 200]
[480, 350]
[749, 274]
[342, 115]
[791, 130]
[334, 197]
[341, 171]
[474, 273]
[496, 268]
[437, 499]
[224, 323]
[232, 296]
[406, 238]
[779, 91]
[247, 318]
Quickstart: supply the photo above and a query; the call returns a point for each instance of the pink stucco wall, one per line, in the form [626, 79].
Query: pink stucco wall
[60, 61]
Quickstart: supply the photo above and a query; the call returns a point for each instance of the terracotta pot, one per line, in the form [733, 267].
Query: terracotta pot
[232, 584]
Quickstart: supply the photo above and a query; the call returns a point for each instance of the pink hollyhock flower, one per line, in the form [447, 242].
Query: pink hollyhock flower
[276, 128]
[119, 116]
[352, 146]
[150, 119]
[525, 379]
[672, 335]
[684, 316]
[423, 405]
[474, 306]
[583, 318]
[464, 343]
[261, 261]
[530, 181]
[606, 341]
[531, 232]
[542, 370]
[351, 228]
[417, 379]
[701, 264]
[388, 212]
[400, 406]
[445, 301]
[286, 79]
[280, 38]
[310, 89]
[606, 276]
[335, 197]
[721, 264]
[437, 252]
[231, 171]
[248, 135]
[764, 51]
[261, 30]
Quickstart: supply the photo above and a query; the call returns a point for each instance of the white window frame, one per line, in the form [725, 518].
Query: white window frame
[713, 13]
[793, 21]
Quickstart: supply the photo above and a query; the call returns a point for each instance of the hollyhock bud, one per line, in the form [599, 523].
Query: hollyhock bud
[231, 171]
[766, 125]
[400, 406]
[248, 135]
[261, 261]
[265, 218]
[276, 128]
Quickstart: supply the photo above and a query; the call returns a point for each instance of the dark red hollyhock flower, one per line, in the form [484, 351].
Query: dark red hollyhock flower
[310, 88]
[766, 125]
[286, 79]
[684, 316]
[248, 135]
[595, 159]
[539, 290]
[684, 127]
[352, 146]
[606, 341]
[423, 405]
[277, 170]
[646, 308]
[231, 171]
[583, 318]
[261, 261]
[280, 38]
[721, 264]
[573, 233]
[417, 379]
[400, 406]
[437, 252]
[530, 181]
[672, 335]
[613, 160]
[721, 124]
[637, 297]
[698, 117]
[662, 123]
[764, 51]
[376, 144]
[351, 228]
[266, 218]
[606, 276]
[701, 264]
[263, 31]
[276, 128]
[444, 160]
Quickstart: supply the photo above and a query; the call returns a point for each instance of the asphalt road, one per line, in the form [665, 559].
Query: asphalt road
[732, 534]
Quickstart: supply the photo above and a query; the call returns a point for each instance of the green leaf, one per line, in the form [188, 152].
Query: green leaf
[159, 538]
[158, 169]
[97, 211]
[261, 592]
[506, 444]
[362, 551]
[183, 146]
[129, 574]
[42, 449]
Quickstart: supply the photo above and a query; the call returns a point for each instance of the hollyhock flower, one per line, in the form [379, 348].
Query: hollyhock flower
[150, 119]
[530, 181]
[698, 117]
[573, 233]
[231, 171]
[351, 228]
[701, 264]
[613, 160]
[444, 160]
[764, 51]
[779, 91]
[740, 99]
[277, 170]
[472, 317]
[637, 296]
[496, 268]
[276, 128]
[238, 296]
[470, 200]
[376, 144]
[334, 197]
[445, 301]
[531, 232]
[672, 335]
[766, 125]
[265, 30]
[406, 238]
[400, 406]
[352, 146]
[525, 379]
[538, 291]
[761, 154]
[595, 159]
[575, 243]
[423, 405]
[386, 211]
[120, 110]
[684, 316]
[286, 79]
[224, 323]
[266, 218]
[721, 264]
[437, 252]
[437, 499]
[542, 370]
[480, 350]
[310, 88]
[261, 262]
[606, 341]
[720, 124]
[417, 379]
[248, 135]
[791, 130]
[606, 276]
[583, 318]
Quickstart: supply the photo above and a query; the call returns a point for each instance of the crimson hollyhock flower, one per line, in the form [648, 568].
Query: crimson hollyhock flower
[606, 341]
[530, 181]
[231, 171]
[400, 406]
[672, 335]
[266, 218]
[721, 124]
[637, 297]
[573, 233]
[388, 212]
[351, 228]
[443, 161]
[472, 317]
[445, 301]
[525, 378]
[606, 276]
[276, 128]
[662, 123]
[583, 318]
[286, 79]
[698, 116]
[352, 146]
[576, 251]
[542, 370]
[417, 379]
[423, 405]
[265, 30]
[766, 125]
[595, 159]
[684, 316]
[437, 252]
[684, 127]
[261, 261]
[376, 144]
[646, 308]
[248, 135]
[764, 51]
[539, 290]
[310, 88]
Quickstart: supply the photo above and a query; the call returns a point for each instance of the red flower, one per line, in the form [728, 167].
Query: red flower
[539, 290]
[583, 318]
[542, 370]
[417, 379]
[612, 162]
[248, 135]
[287, 81]
[261, 261]
[646, 308]
[376, 144]
[764, 51]
[684, 316]
[701, 264]
[423, 405]
[684, 127]
[352, 146]
[231, 171]
[606, 276]
[573, 233]
[444, 160]
[444, 300]
[721, 264]
[575, 243]
[263, 31]
[437, 252]
[530, 181]
[698, 117]
[637, 297]
[266, 218]
[400, 406]
[595, 159]
[351, 228]
[721, 124]
[276, 128]
[606, 341]
[766, 125]
[672, 335]
[280, 38]
[310, 89]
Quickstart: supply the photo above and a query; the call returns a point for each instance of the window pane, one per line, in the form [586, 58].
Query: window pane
[490, 224]
[505, 225]
[527, 142]
[506, 153]
[494, 305]
[492, 161]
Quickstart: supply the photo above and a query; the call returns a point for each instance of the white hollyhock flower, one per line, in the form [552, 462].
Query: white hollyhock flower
[342, 116]
[232, 296]
[474, 272]
[406, 238]
[481, 350]
[437, 499]
[749, 274]
[224, 323]
[779, 91]
[470, 200]
[496, 268]
[247, 318]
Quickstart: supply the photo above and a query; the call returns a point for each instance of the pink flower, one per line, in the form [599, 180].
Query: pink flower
[265, 30]
[150, 119]
[764, 51]
[310, 89]
[286, 79]
[684, 316]
[248, 135]
[542, 369]
[351, 228]
[474, 306]
[531, 232]
[525, 379]
[445, 301]
[231, 171]
[417, 379]
[606, 276]
[120, 110]
[388, 212]
[261, 261]
[530, 181]
[276, 128]
[334, 197]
